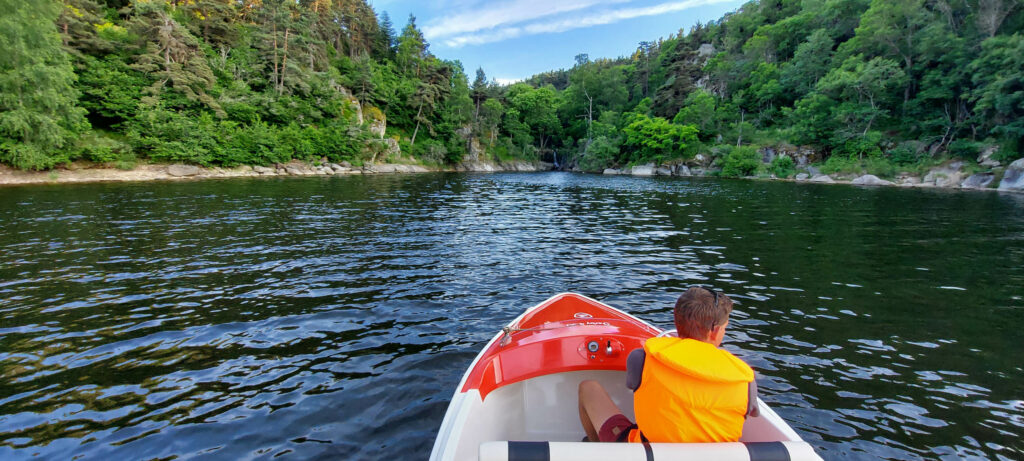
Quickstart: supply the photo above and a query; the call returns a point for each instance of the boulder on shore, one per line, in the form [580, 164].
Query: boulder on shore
[663, 171]
[871, 180]
[1013, 178]
[946, 176]
[802, 177]
[183, 170]
[823, 178]
[978, 181]
[611, 171]
[643, 170]
[263, 170]
[682, 170]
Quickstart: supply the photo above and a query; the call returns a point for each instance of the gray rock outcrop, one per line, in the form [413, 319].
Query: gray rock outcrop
[871, 180]
[643, 170]
[985, 157]
[392, 149]
[1013, 178]
[377, 123]
[945, 176]
[263, 170]
[183, 170]
[611, 171]
[823, 178]
[476, 166]
[520, 166]
[682, 170]
[802, 177]
[978, 181]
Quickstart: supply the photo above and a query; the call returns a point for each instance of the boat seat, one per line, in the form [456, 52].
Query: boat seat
[590, 451]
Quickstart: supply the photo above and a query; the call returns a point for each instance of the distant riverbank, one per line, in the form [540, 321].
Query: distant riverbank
[949, 176]
[86, 173]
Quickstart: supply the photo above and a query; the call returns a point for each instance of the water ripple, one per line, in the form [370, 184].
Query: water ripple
[333, 317]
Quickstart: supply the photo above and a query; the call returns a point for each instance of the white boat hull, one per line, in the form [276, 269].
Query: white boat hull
[545, 409]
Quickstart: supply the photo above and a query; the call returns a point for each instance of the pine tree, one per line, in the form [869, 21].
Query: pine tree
[385, 37]
[78, 23]
[412, 48]
[38, 113]
[172, 55]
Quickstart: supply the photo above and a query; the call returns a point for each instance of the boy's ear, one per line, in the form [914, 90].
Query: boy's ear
[717, 335]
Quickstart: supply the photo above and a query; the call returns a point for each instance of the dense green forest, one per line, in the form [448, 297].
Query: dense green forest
[871, 85]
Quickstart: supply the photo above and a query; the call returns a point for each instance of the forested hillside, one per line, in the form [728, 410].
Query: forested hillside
[873, 85]
[221, 82]
[877, 85]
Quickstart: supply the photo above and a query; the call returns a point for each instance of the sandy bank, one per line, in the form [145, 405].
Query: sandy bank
[81, 173]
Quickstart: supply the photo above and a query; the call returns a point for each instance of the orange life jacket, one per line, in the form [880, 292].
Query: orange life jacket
[690, 391]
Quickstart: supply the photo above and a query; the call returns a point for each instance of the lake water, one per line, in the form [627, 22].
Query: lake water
[333, 317]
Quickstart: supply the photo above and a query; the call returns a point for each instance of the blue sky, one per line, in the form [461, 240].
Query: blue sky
[514, 39]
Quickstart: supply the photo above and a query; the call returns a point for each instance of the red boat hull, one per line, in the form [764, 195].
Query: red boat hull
[555, 337]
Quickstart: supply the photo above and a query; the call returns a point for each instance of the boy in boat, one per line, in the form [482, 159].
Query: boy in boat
[685, 389]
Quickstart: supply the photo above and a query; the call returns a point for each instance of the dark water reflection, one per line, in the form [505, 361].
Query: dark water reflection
[334, 316]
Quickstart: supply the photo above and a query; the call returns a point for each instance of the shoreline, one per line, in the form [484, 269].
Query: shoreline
[86, 174]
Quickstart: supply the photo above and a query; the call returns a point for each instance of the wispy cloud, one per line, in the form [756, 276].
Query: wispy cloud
[490, 34]
[503, 14]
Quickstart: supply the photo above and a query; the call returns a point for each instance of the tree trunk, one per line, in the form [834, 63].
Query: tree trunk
[908, 60]
[284, 60]
[739, 137]
[418, 114]
[275, 54]
[590, 111]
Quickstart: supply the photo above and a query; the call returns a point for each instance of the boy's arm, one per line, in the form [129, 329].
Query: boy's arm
[752, 409]
[635, 368]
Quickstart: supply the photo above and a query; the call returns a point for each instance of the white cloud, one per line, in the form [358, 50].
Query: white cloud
[570, 23]
[503, 14]
[507, 81]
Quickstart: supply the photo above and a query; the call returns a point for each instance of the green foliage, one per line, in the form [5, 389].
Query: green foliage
[860, 157]
[217, 82]
[102, 149]
[599, 155]
[880, 167]
[864, 89]
[841, 164]
[654, 139]
[532, 113]
[964, 148]
[39, 117]
[809, 64]
[861, 147]
[782, 166]
[111, 90]
[998, 74]
[741, 161]
[700, 110]
[904, 154]
[431, 151]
